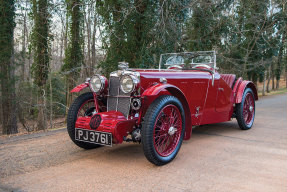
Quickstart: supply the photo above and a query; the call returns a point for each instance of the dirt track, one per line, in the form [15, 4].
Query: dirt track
[218, 157]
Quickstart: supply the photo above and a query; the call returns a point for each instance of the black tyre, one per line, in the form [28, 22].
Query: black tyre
[82, 106]
[245, 111]
[163, 130]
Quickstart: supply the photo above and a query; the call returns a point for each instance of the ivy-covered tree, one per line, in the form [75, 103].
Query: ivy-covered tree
[139, 31]
[40, 46]
[8, 104]
[205, 27]
[74, 56]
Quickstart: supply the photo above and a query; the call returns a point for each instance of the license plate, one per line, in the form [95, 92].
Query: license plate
[96, 137]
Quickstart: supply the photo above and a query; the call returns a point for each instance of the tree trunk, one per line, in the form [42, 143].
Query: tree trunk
[42, 119]
[255, 80]
[74, 52]
[277, 84]
[269, 78]
[23, 51]
[9, 119]
[280, 59]
[88, 28]
[94, 42]
[20, 113]
[8, 96]
[41, 48]
[66, 31]
[22, 118]
[83, 72]
[51, 101]
[264, 81]
[273, 76]
[69, 96]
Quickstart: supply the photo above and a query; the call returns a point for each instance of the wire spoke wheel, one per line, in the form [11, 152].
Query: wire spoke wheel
[87, 108]
[167, 130]
[163, 130]
[245, 111]
[82, 106]
[248, 108]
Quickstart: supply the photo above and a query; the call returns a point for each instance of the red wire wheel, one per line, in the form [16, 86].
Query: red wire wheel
[87, 108]
[248, 108]
[163, 130]
[245, 111]
[167, 130]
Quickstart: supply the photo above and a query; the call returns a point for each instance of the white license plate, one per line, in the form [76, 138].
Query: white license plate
[96, 137]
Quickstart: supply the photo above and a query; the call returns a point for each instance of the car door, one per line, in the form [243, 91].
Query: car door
[223, 101]
[196, 94]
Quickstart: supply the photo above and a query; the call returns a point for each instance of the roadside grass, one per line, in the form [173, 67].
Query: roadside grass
[282, 88]
[276, 92]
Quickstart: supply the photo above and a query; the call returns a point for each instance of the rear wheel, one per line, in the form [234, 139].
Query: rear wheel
[84, 105]
[245, 111]
[163, 130]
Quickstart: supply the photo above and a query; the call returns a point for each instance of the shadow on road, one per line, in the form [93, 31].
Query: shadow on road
[134, 152]
[226, 127]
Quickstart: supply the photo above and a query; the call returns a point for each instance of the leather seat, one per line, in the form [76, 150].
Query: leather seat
[229, 79]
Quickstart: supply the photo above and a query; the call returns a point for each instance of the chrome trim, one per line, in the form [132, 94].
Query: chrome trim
[123, 65]
[103, 83]
[119, 73]
[138, 101]
[119, 94]
[163, 80]
[135, 83]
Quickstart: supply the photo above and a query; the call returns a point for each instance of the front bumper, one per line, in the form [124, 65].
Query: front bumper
[113, 122]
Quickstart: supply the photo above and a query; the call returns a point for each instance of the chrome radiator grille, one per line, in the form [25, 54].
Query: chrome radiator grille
[117, 100]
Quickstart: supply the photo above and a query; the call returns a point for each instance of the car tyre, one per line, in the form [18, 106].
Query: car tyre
[72, 118]
[245, 111]
[163, 130]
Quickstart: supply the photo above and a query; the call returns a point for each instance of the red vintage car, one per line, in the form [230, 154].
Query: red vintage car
[159, 107]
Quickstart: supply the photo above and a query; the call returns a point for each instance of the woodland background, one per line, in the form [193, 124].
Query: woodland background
[49, 46]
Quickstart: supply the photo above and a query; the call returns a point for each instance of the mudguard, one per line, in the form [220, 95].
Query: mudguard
[241, 88]
[79, 87]
[150, 94]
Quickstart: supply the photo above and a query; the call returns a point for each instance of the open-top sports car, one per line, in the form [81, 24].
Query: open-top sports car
[159, 107]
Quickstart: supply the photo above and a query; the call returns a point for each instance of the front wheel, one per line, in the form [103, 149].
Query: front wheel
[245, 111]
[163, 130]
[83, 106]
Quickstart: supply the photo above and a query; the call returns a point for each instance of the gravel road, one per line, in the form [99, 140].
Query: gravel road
[218, 157]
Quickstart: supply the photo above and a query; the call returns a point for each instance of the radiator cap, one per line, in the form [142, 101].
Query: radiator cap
[123, 65]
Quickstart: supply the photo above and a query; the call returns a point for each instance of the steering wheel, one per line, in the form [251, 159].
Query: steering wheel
[175, 67]
[202, 65]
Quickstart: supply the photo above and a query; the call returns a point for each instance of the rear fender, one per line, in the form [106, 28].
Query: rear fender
[237, 83]
[157, 90]
[79, 87]
[241, 88]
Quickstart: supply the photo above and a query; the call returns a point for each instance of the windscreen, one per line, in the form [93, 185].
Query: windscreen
[187, 60]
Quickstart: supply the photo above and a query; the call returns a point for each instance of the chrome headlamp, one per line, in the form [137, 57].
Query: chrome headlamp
[98, 83]
[129, 83]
